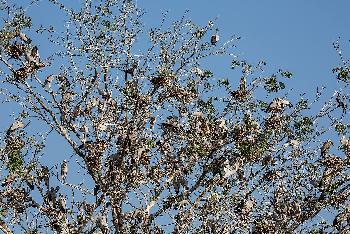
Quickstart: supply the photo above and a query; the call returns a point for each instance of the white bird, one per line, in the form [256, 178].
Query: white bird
[102, 223]
[228, 169]
[16, 125]
[221, 124]
[198, 114]
[24, 37]
[199, 72]
[278, 105]
[345, 142]
[64, 170]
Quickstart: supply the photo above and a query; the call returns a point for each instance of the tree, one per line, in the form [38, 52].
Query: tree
[166, 146]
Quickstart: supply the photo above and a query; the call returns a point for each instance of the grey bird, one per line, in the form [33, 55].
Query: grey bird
[62, 203]
[64, 170]
[326, 147]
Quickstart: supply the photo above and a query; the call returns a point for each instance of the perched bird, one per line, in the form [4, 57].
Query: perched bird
[278, 105]
[152, 122]
[199, 72]
[34, 52]
[51, 195]
[64, 170]
[96, 189]
[326, 147]
[48, 81]
[16, 125]
[62, 203]
[221, 124]
[228, 170]
[198, 114]
[341, 103]
[33, 59]
[30, 182]
[171, 124]
[131, 70]
[102, 223]
[243, 84]
[215, 38]
[24, 37]
[199, 33]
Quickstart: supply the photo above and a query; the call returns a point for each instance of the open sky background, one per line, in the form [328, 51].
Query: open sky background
[296, 35]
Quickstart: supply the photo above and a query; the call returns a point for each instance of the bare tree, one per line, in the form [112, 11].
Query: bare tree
[167, 146]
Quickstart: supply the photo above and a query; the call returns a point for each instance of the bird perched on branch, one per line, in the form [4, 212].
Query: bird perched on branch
[33, 58]
[62, 203]
[278, 105]
[102, 223]
[64, 170]
[215, 38]
[326, 147]
[24, 38]
[16, 125]
[48, 81]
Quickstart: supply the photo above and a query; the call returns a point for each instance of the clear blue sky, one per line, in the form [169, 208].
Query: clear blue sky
[296, 35]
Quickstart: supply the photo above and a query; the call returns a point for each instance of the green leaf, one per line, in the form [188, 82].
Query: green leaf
[15, 161]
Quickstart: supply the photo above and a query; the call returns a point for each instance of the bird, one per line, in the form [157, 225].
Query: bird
[228, 170]
[243, 84]
[48, 81]
[199, 72]
[278, 105]
[198, 114]
[131, 70]
[16, 125]
[152, 122]
[64, 170]
[62, 203]
[33, 59]
[24, 38]
[34, 52]
[215, 38]
[51, 195]
[102, 223]
[326, 147]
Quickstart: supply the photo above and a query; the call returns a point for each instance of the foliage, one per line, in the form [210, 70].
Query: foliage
[166, 145]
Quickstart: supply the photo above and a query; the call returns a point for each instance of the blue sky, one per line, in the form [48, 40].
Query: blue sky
[295, 35]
